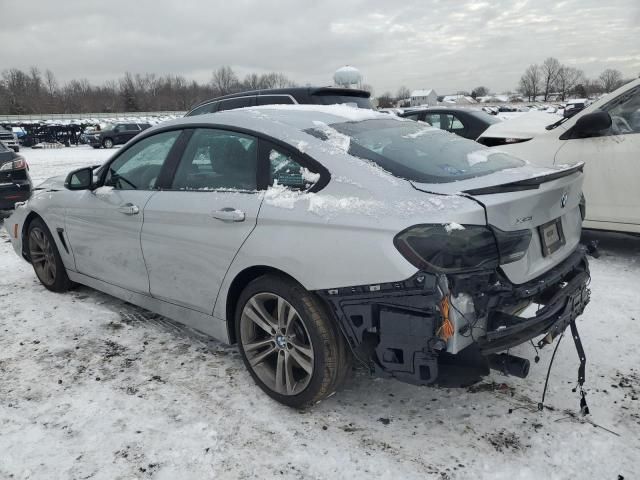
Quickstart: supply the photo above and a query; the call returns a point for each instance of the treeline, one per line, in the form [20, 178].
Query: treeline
[553, 78]
[34, 91]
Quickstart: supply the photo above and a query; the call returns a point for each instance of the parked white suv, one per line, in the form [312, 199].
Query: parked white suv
[606, 137]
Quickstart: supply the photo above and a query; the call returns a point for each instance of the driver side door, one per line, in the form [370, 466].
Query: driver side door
[104, 225]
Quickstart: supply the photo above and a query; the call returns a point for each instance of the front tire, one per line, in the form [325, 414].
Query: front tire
[292, 348]
[107, 143]
[45, 258]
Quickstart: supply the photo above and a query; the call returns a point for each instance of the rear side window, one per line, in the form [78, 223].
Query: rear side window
[274, 100]
[131, 127]
[415, 151]
[233, 103]
[360, 102]
[218, 160]
[285, 171]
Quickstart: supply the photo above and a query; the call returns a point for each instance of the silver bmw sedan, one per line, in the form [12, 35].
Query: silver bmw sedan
[318, 236]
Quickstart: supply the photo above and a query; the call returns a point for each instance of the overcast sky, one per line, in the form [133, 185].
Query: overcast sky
[448, 45]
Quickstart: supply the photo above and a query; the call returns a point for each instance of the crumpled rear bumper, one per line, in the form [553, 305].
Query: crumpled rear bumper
[394, 328]
[565, 294]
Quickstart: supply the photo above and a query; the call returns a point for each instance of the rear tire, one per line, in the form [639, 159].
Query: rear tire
[45, 258]
[293, 350]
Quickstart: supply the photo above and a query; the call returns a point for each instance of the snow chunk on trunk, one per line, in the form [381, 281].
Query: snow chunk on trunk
[451, 226]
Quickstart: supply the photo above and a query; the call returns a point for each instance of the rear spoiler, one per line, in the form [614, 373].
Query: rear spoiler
[350, 92]
[527, 184]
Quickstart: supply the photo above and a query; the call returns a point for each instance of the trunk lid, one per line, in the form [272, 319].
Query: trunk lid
[528, 198]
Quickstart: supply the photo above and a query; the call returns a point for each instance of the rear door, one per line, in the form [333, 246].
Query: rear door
[103, 226]
[194, 228]
[612, 164]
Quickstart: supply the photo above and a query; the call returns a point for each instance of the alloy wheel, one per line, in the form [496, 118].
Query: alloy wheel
[42, 256]
[276, 343]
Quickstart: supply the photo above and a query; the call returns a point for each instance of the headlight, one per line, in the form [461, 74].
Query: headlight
[445, 250]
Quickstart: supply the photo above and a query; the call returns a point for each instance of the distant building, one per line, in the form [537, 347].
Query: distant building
[424, 97]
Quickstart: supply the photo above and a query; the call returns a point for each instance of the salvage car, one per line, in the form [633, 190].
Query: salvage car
[313, 236]
[466, 122]
[15, 183]
[606, 137]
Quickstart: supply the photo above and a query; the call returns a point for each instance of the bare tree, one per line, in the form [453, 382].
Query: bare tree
[479, 92]
[403, 93]
[568, 78]
[530, 82]
[610, 79]
[549, 69]
[225, 81]
[385, 100]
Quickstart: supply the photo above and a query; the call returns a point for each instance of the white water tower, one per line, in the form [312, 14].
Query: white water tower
[347, 76]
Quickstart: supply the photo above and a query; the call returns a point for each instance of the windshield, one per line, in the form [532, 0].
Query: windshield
[415, 151]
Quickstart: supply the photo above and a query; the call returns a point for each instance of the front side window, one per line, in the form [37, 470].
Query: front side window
[415, 151]
[218, 160]
[285, 171]
[625, 112]
[139, 166]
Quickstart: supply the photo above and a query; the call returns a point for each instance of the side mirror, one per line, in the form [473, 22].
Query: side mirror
[591, 124]
[81, 179]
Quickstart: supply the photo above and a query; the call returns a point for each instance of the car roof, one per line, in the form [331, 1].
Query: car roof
[293, 91]
[300, 117]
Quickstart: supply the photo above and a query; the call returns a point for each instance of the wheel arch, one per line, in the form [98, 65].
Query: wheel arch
[25, 231]
[241, 280]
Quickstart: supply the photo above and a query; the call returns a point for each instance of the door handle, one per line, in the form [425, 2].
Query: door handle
[229, 214]
[129, 209]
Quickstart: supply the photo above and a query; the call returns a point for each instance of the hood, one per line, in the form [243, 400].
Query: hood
[53, 183]
[525, 126]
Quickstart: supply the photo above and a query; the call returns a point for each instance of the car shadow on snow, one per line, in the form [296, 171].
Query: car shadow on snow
[613, 244]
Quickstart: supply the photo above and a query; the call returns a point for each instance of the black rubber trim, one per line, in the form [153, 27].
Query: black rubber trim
[528, 184]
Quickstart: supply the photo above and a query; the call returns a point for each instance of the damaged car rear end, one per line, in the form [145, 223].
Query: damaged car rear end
[480, 287]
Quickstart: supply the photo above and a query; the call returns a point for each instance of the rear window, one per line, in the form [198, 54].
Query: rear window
[274, 100]
[485, 117]
[361, 102]
[414, 151]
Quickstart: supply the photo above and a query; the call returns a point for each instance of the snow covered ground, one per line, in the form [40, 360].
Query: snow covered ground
[91, 387]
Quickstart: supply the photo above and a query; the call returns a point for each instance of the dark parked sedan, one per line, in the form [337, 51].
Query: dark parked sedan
[15, 183]
[465, 122]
